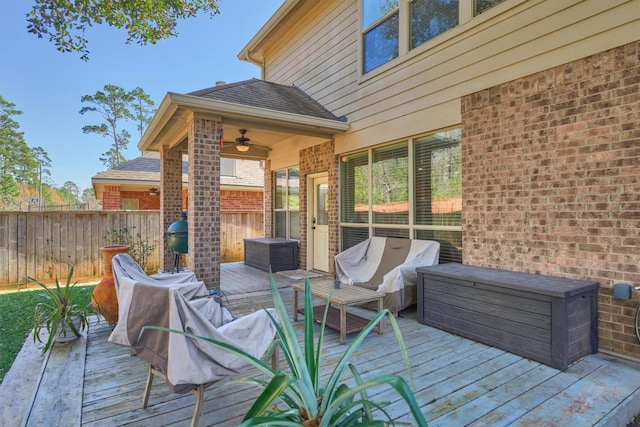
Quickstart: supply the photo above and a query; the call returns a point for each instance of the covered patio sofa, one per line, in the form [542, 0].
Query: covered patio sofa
[387, 265]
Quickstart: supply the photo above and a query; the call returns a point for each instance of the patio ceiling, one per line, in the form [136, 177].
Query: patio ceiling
[266, 127]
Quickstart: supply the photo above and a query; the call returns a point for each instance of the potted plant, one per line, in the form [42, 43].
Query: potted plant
[300, 396]
[63, 314]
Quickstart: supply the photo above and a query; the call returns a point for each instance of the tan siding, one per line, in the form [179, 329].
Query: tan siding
[320, 53]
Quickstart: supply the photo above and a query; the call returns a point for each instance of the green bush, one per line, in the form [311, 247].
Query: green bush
[139, 248]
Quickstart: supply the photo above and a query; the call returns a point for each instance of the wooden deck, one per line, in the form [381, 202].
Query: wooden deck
[457, 381]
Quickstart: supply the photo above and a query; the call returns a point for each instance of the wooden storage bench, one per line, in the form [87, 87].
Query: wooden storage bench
[279, 254]
[547, 319]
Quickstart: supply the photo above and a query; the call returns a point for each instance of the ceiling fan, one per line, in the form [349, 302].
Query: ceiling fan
[243, 143]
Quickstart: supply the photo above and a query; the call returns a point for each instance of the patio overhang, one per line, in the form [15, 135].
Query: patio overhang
[169, 126]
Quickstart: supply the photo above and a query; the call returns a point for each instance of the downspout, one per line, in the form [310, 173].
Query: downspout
[259, 64]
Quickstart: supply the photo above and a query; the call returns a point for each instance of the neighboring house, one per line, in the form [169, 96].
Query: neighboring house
[136, 185]
[507, 130]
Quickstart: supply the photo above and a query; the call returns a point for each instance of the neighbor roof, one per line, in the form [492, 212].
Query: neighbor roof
[145, 170]
[269, 95]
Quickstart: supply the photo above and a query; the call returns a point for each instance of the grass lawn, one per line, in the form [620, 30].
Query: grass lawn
[16, 318]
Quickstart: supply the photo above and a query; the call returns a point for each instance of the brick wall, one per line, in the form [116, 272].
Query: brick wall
[241, 200]
[111, 198]
[317, 159]
[230, 200]
[551, 179]
[146, 201]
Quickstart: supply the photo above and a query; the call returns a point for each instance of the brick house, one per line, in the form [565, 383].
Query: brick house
[135, 185]
[508, 130]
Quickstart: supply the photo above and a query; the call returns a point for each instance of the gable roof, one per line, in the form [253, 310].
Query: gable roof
[145, 171]
[277, 110]
[268, 95]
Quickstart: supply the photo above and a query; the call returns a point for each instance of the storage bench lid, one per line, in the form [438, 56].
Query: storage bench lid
[536, 283]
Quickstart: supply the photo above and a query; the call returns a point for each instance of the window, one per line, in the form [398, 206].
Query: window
[354, 182]
[409, 189]
[286, 203]
[480, 6]
[390, 184]
[129, 204]
[438, 177]
[430, 18]
[227, 167]
[380, 20]
[392, 28]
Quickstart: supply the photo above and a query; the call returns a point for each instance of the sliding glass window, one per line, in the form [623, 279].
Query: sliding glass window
[286, 203]
[408, 189]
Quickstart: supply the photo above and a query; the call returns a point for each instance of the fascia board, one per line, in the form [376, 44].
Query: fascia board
[273, 23]
[163, 114]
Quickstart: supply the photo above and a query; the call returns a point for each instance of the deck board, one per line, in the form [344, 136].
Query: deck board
[456, 381]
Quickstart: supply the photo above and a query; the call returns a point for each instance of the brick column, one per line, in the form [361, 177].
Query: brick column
[204, 200]
[170, 199]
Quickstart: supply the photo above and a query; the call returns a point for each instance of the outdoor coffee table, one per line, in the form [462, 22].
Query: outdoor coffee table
[337, 317]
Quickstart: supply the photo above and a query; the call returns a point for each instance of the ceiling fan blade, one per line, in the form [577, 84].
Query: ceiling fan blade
[260, 147]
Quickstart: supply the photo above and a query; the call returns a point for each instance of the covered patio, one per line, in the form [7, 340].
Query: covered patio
[253, 120]
[456, 381]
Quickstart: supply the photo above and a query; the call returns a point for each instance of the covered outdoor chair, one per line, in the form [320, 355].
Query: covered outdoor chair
[387, 265]
[180, 302]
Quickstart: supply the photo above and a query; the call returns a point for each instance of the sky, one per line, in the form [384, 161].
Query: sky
[47, 85]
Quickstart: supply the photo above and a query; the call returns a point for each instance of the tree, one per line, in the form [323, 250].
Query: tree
[143, 108]
[9, 192]
[116, 106]
[17, 160]
[70, 191]
[64, 22]
[89, 198]
[13, 147]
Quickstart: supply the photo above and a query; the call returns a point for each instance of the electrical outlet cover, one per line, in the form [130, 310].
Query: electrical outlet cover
[622, 291]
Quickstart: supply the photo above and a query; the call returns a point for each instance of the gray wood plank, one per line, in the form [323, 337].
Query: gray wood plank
[22, 380]
[599, 392]
[59, 395]
[456, 381]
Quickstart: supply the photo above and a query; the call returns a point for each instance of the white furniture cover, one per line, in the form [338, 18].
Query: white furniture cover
[178, 301]
[387, 265]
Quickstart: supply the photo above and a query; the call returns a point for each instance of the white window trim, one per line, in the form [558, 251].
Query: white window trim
[466, 23]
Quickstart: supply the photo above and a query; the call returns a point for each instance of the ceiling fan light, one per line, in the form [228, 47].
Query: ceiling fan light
[242, 148]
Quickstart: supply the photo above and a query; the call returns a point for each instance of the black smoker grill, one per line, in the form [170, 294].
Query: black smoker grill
[178, 239]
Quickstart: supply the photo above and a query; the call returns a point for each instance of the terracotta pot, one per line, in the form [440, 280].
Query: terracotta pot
[104, 298]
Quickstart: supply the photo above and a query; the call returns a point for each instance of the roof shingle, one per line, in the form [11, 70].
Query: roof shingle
[272, 96]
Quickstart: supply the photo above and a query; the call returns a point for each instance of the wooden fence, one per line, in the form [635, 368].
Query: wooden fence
[43, 244]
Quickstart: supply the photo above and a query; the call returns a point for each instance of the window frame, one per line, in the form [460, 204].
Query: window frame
[409, 230]
[466, 19]
[286, 209]
[230, 164]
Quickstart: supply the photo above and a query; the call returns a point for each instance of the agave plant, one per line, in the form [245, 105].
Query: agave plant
[296, 396]
[61, 314]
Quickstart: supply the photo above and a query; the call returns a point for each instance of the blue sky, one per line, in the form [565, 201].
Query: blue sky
[47, 85]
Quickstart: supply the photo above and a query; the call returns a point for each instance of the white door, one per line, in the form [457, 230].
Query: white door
[320, 223]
